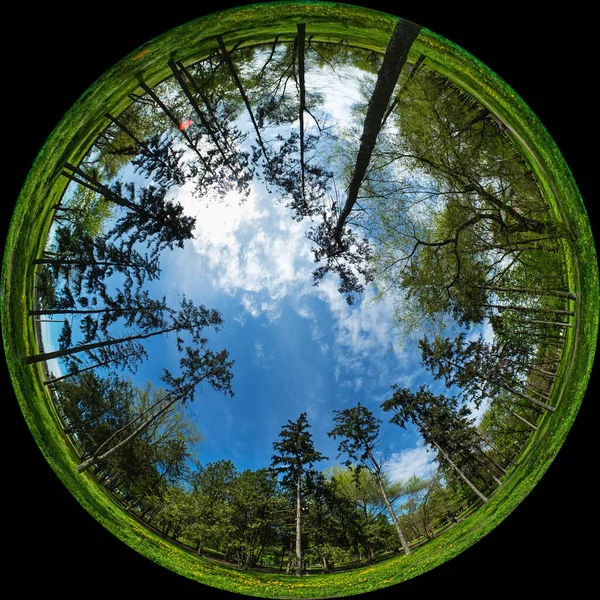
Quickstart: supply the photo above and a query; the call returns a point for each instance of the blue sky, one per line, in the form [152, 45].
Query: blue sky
[297, 348]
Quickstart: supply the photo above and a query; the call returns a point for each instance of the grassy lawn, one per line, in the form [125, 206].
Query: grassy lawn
[70, 141]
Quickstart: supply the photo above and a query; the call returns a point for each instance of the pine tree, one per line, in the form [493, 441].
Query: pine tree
[295, 458]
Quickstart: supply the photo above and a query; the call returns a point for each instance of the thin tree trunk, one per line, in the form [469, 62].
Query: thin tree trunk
[94, 185]
[527, 309]
[206, 101]
[493, 447]
[388, 504]
[82, 263]
[175, 122]
[86, 311]
[402, 38]
[201, 116]
[536, 322]
[460, 473]
[140, 429]
[233, 72]
[515, 392]
[298, 529]
[97, 365]
[126, 130]
[488, 459]
[491, 460]
[301, 40]
[524, 420]
[85, 347]
[534, 291]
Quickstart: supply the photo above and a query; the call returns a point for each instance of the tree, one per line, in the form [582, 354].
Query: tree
[196, 367]
[86, 262]
[253, 503]
[148, 215]
[428, 503]
[231, 165]
[294, 460]
[189, 318]
[359, 430]
[478, 367]
[210, 510]
[402, 38]
[332, 238]
[440, 422]
[365, 524]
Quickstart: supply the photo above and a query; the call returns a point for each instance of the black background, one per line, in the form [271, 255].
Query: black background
[53, 56]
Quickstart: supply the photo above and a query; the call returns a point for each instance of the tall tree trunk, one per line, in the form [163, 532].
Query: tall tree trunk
[97, 365]
[176, 123]
[515, 392]
[534, 291]
[205, 123]
[527, 309]
[412, 73]
[126, 130]
[82, 263]
[493, 447]
[300, 42]
[402, 38]
[86, 311]
[460, 473]
[486, 458]
[140, 429]
[233, 72]
[82, 178]
[85, 347]
[524, 420]
[298, 528]
[491, 460]
[388, 504]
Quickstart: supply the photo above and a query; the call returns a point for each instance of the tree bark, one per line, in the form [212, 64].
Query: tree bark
[102, 364]
[527, 309]
[534, 291]
[377, 473]
[460, 473]
[298, 528]
[524, 420]
[515, 392]
[140, 429]
[94, 185]
[175, 122]
[85, 311]
[493, 447]
[201, 116]
[402, 38]
[85, 347]
[301, 40]
[233, 72]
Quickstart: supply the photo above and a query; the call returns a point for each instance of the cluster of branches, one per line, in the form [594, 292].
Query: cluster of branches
[291, 516]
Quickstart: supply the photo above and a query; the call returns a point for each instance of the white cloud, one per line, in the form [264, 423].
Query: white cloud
[260, 350]
[252, 247]
[414, 461]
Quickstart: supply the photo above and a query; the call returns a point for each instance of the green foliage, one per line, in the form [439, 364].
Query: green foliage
[296, 453]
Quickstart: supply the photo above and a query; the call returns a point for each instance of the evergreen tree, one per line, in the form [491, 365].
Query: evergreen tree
[294, 460]
[359, 429]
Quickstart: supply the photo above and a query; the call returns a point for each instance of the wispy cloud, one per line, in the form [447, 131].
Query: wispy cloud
[414, 461]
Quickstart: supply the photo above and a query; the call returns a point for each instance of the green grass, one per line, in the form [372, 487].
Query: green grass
[71, 140]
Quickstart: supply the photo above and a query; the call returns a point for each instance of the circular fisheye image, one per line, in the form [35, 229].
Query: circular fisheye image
[299, 300]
